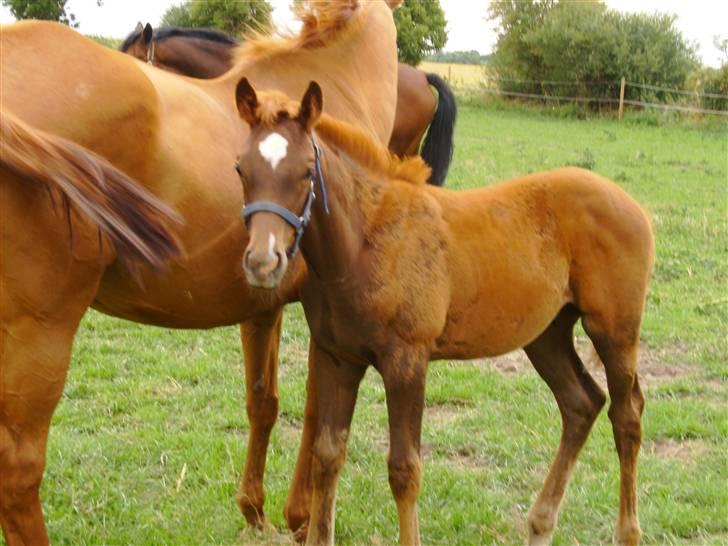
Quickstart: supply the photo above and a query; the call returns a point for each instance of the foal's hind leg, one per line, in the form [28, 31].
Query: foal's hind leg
[617, 343]
[579, 398]
[260, 336]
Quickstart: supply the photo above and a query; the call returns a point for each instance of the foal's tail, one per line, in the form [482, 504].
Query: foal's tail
[133, 219]
[438, 145]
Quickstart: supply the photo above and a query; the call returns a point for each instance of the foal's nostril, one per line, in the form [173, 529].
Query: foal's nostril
[261, 264]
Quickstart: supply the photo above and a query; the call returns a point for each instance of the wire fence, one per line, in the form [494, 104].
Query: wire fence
[613, 94]
[647, 95]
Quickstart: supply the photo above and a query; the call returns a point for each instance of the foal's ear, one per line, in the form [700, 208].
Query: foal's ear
[247, 102]
[311, 106]
[147, 34]
[139, 27]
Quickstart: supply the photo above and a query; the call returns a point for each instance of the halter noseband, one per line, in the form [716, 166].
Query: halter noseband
[298, 223]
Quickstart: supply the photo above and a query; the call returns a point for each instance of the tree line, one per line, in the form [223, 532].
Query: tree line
[545, 44]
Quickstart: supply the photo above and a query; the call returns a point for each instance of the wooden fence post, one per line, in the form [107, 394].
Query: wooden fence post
[621, 99]
[449, 73]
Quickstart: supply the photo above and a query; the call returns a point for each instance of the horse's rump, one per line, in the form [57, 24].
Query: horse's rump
[132, 219]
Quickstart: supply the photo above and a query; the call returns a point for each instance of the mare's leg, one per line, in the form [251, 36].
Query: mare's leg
[337, 384]
[617, 343]
[579, 399]
[404, 383]
[298, 503]
[260, 337]
[46, 284]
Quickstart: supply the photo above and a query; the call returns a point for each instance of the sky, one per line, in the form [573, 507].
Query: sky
[468, 28]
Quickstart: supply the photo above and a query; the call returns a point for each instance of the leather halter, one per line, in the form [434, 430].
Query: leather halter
[150, 51]
[298, 223]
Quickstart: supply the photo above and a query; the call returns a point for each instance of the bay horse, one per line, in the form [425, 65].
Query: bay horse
[400, 273]
[203, 53]
[178, 138]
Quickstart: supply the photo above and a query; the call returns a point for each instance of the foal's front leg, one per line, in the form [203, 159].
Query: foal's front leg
[404, 382]
[336, 385]
[260, 337]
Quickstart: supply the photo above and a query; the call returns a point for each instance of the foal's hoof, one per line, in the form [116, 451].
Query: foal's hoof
[299, 535]
[253, 512]
[298, 524]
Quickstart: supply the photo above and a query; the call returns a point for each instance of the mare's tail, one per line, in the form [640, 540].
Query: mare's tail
[438, 145]
[131, 218]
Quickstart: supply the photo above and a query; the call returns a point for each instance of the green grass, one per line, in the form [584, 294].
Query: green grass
[141, 404]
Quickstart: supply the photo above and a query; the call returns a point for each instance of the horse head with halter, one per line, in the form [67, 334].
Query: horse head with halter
[282, 152]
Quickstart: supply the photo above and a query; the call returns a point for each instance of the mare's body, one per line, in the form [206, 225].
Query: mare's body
[419, 114]
[401, 273]
[178, 138]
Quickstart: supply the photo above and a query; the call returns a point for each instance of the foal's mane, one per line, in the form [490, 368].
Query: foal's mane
[368, 153]
[323, 21]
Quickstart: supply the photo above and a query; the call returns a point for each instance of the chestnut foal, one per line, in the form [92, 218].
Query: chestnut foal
[401, 273]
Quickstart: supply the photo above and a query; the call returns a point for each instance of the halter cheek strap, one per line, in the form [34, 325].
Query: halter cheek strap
[298, 223]
[150, 52]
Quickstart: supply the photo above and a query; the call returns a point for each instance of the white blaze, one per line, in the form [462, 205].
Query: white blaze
[271, 243]
[273, 148]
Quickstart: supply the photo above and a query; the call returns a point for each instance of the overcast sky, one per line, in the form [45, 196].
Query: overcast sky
[699, 20]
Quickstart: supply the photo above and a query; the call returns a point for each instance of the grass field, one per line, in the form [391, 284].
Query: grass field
[148, 442]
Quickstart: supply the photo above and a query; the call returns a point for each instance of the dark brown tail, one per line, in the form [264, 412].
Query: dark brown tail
[438, 145]
[132, 218]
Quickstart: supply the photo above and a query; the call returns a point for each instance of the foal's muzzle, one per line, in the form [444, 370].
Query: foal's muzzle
[264, 269]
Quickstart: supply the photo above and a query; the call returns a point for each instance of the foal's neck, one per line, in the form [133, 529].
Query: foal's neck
[333, 242]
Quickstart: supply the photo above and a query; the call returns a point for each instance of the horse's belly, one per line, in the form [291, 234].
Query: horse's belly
[507, 312]
[206, 289]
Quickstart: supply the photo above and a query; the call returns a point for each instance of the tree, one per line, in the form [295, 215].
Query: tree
[513, 56]
[231, 16]
[542, 42]
[49, 10]
[420, 29]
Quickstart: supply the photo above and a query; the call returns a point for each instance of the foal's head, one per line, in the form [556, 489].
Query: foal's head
[278, 169]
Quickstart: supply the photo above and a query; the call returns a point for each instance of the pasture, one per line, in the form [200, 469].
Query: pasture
[147, 444]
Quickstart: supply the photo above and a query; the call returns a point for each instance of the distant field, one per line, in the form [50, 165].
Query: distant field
[141, 404]
[461, 76]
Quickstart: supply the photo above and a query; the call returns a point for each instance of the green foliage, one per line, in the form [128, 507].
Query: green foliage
[586, 43]
[50, 10]
[712, 81]
[177, 16]
[111, 43]
[230, 16]
[459, 57]
[420, 29]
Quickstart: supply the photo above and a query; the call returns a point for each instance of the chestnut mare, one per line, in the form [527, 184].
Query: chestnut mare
[401, 273]
[66, 104]
[202, 53]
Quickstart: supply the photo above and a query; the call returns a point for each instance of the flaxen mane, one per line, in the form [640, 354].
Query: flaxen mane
[323, 21]
[360, 146]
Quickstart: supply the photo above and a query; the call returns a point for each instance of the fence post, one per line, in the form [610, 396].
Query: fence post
[621, 99]
[449, 73]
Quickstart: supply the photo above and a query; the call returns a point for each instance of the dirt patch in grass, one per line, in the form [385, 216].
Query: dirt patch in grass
[468, 458]
[667, 448]
[656, 366]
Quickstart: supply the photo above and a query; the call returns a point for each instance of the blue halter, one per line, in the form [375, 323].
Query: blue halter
[298, 223]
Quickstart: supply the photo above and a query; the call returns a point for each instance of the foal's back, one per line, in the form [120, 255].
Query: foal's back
[519, 251]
